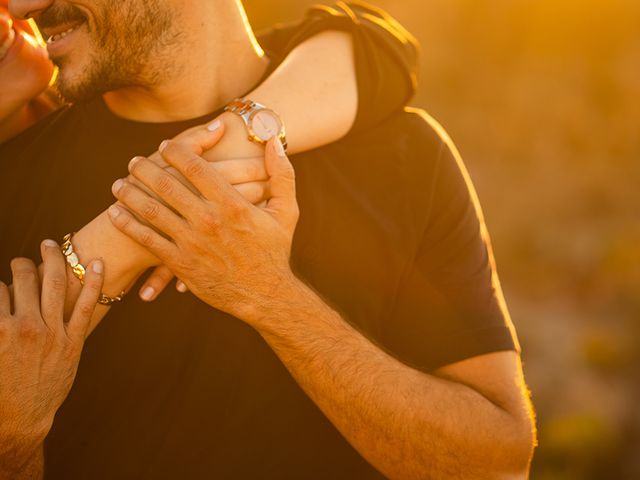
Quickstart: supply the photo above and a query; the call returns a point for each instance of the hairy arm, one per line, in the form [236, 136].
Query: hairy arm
[467, 420]
[470, 419]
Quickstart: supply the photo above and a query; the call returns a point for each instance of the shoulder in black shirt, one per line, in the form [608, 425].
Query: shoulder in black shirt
[390, 234]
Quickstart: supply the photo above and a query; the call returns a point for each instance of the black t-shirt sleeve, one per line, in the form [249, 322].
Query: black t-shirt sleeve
[450, 306]
[386, 54]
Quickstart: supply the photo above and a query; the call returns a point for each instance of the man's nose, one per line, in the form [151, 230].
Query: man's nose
[28, 8]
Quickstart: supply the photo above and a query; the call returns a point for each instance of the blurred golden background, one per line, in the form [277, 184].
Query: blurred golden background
[543, 100]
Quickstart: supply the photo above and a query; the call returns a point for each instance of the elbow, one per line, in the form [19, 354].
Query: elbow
[518, 448]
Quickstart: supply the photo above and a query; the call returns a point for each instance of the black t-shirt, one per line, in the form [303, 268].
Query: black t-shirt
[389, 235]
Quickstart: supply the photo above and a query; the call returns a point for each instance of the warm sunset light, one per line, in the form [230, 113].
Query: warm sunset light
[319, 239]
[542, 99]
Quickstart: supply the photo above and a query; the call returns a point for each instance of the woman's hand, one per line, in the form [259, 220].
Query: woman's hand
[25, 72]
[230, 253]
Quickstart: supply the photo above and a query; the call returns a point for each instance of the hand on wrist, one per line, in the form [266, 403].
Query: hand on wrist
[123, 257]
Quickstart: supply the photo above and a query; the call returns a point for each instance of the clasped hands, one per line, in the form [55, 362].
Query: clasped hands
[228, 238]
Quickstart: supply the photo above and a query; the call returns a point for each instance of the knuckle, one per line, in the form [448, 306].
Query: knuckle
[58, 283]
[211, 221]
[151, 211]
[86, 309]
[146, 238]
[163, 184]
[23, 275]
[30, 330]
[183, 265]
[94, 284]
[234, 210]
[194, 168]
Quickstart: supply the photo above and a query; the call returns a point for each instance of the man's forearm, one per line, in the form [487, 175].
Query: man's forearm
[406, 423]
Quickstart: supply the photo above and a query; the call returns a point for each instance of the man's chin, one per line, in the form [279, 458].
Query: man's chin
[73, 88]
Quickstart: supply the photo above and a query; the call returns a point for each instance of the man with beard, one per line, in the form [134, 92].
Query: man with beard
[390, 235]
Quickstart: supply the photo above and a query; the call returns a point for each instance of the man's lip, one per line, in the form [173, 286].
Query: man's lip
[50, 32]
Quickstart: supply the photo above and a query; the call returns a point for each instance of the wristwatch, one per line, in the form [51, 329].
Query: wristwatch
[262, 123]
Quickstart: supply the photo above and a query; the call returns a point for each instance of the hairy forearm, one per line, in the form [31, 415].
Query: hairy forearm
[406, 423]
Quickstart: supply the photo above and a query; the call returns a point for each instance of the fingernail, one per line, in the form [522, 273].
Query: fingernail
[114, 211]
[163, 145]
[279, 148]
[133, 161]
[181, 287]
[117, 185]
[50, 243]
[97, 266]
[148, 293]
[215, 125]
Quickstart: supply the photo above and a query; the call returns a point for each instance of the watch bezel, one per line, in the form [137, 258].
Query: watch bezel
[253, 135]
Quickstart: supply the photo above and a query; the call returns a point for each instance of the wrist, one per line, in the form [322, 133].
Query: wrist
[17, 449]
[283, 303]
[124, 259]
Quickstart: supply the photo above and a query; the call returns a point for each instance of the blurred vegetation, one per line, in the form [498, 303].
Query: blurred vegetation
[543, 100]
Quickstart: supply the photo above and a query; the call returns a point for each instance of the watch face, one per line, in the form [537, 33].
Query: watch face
[265, 124]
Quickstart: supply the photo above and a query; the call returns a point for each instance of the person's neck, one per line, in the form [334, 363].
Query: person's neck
[218, 61]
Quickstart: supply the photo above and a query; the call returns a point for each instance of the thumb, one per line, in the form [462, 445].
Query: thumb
[282, 183]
